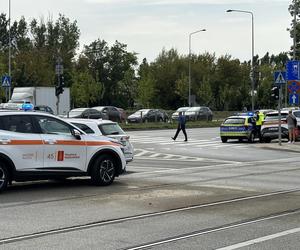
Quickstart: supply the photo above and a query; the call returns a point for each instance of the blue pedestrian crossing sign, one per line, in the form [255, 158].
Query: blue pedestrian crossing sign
[6, 81]
[294, 99]
[279, 77]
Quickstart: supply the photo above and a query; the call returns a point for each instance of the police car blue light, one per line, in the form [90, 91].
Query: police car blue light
[27, 107]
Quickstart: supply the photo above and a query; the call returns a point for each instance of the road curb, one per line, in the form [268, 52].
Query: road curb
[288, 148]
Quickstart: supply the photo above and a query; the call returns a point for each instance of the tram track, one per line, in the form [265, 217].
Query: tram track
[213, 229]
[101, 223]
[146, 188]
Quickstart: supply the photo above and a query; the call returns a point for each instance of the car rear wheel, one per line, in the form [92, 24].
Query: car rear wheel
[104, 170]
[224, 139]
[3, 177]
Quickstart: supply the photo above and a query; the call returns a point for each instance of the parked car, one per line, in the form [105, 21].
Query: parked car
[108, 128]
[148, 115]
[176, 113]
[270, 127]
[44, 108]
[88, 113]
[122, 114]
[199, 113]
[37, 146]
[110, 113]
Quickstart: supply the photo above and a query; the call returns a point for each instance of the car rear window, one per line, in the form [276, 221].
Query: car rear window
[275, 116]
[235, 121]
[111, 129]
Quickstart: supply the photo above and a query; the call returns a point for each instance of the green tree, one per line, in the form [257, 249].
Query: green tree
[295, 27]
[85, 91]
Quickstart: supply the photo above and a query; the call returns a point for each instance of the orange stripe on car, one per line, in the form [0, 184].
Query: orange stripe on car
[25, 142]
[62, 142]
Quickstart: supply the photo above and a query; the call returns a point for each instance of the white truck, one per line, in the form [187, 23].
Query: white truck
[39, 96]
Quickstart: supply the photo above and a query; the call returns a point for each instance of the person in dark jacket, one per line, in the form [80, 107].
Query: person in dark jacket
[181, 126]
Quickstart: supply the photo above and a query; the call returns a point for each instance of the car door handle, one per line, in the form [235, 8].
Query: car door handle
[50, 141]
[4, 141]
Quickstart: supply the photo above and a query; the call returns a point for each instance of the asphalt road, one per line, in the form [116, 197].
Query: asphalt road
[200, 194]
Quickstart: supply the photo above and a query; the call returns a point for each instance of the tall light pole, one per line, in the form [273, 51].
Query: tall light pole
[9, 49]
[190, 36]
[252, 53]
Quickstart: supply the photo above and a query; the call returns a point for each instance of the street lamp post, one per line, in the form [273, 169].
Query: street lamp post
[252, 53]
[190, 36]
[9, 48]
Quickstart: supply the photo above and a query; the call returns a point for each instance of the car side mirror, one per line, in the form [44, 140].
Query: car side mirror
[76, 134]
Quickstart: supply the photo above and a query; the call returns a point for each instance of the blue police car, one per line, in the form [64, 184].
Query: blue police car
[241, 126]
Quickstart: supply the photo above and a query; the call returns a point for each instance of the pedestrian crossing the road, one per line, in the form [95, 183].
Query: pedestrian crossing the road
[213, 143]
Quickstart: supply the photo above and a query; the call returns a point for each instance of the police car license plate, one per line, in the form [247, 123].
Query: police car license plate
[273, 129]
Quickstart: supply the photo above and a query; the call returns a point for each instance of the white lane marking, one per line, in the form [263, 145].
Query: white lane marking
[154, 155]
[261, 239]
[143, 152]
[179, 141]
[208, 143]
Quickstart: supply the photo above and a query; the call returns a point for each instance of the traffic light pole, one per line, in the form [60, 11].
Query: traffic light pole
[57, 96]
[279, 116]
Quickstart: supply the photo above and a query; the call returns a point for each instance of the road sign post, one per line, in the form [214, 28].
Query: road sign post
[279, 116]
[279, 81]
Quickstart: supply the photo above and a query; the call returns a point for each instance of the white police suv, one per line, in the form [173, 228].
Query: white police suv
[36, 146]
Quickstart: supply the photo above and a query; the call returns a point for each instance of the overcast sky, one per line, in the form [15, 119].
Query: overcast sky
[148, 26]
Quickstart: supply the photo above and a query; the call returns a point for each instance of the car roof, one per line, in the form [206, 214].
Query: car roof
[97, 121]
[22, 112]
[276, 112]
[238, 116]
[79, 109]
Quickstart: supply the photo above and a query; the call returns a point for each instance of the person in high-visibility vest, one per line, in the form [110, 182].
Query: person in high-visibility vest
[259, 116]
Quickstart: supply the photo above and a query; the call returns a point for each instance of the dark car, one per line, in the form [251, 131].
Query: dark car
[199, 113]
[110, 113]
[44, 108]
[122, 114]
[88, 113]
[148, 115]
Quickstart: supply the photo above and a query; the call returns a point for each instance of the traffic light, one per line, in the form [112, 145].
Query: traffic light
[60, 88]
[275, 93]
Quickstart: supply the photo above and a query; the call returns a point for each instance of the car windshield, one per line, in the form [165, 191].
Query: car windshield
[111, 129]
[84, 128]
[234, 121]
[275, 116]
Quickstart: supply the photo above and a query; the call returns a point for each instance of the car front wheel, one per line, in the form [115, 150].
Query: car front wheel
[103, 171]
[3, 177]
